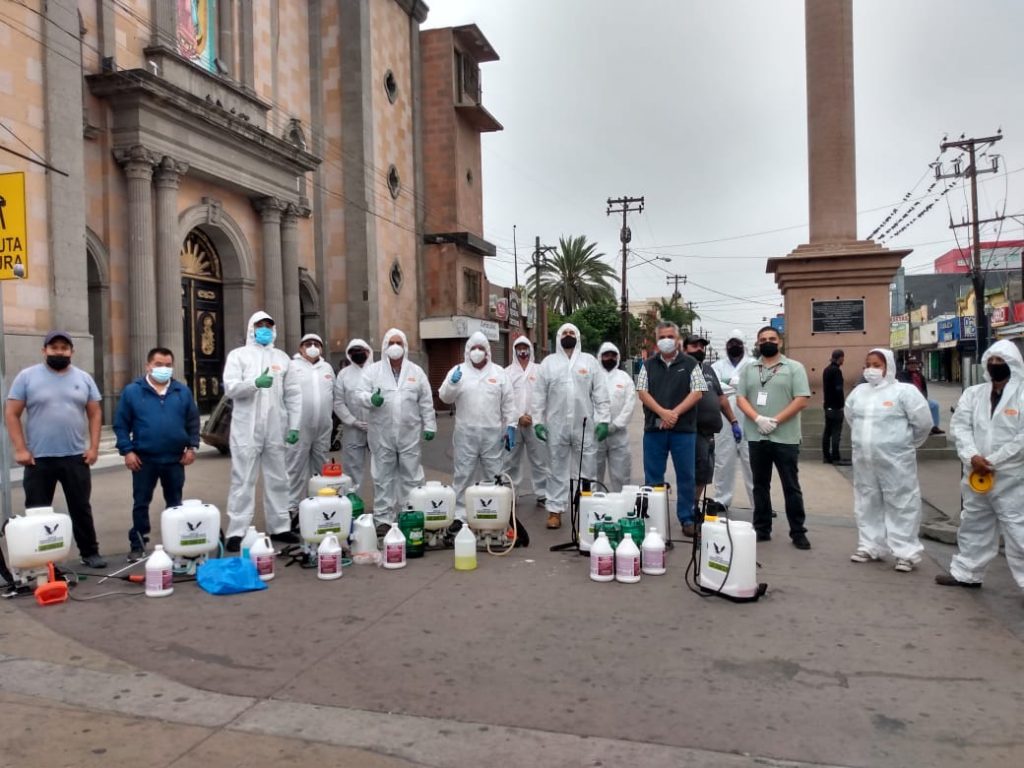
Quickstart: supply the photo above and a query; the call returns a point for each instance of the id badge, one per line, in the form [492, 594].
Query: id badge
[762, 398]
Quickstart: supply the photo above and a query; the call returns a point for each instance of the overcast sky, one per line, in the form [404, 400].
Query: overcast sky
[700, 107]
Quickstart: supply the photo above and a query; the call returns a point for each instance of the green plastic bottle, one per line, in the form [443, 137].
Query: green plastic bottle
[410, 522]
[632, 524]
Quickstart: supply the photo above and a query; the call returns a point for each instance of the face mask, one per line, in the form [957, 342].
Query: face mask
[568, 342]
[395, 351]
[313, 351]
[523, 353]
[666, 346]
[264, 336]
[734, 350]
[161, 374]
[769, 349]
[999, 371]
[610, 364]
[58, 362]
[477, 356]
[873, 376]
[358, 356]
[699, 355]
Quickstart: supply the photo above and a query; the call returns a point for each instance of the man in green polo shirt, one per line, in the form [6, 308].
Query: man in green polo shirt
[771, 393]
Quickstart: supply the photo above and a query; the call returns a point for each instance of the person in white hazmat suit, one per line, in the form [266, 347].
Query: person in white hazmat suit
[350, 410]
[988, 427]
[570, 390]
[888, 420]
[522, 374]
[614, 453]
[266, 408]
[485, 417]
[400, 410]
[735, 449]
[315, 378]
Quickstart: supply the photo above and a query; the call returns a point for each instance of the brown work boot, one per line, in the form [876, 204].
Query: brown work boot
[554, 520]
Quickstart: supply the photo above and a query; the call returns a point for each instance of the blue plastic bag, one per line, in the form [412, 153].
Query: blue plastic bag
[229, 576]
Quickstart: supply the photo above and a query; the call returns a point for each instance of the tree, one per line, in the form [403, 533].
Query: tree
[597, 324]
[672, 310]
[575, 276]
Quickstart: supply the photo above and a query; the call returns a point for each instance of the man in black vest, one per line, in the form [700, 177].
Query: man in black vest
[670, 385]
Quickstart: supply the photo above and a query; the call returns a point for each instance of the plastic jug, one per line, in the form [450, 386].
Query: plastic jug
[593, 506]
[602, 559]
[465, 550]
[159, 573]
[610, 528]
[627, 561]
[249, 539]
[330, 477]
[410, 522]
[632, 524]
[328, 558]
[394, 548]
[262, 555]
[657, 507]
[364, 541]
[652, 553]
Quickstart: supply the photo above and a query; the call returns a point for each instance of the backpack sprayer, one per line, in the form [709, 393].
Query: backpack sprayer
[577, 486]
[724, 556]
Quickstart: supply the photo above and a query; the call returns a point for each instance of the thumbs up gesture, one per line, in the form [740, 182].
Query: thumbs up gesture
[265, 380]
[377, 399]
[456, 374]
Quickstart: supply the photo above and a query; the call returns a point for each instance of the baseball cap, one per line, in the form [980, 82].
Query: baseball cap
[693, 338]
[58, 335]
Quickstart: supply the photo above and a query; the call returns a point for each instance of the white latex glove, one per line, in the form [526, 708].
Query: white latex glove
[362, 425]
[766, 424]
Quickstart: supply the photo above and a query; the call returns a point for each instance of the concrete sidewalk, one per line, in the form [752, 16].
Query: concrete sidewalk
[524, 661]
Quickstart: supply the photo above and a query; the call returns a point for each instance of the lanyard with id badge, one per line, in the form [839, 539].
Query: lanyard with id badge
[762, 395]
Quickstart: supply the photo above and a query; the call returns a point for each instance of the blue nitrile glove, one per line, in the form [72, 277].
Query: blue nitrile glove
[456, 374]
[293, 437]
[737, 432]
[510, 438]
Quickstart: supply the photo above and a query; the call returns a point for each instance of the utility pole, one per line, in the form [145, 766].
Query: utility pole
[540, 259]
[908, 306]
[977, 275]
[515, 258]
[626, 205]
[676, 279]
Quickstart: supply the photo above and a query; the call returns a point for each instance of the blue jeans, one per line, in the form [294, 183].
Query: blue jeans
[682, 445]
[934, 408]
[172, 481]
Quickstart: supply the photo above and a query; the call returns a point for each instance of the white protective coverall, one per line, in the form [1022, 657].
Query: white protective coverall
[353, 414]
[570, 388]
[614, 452]
[728, 451]
[997, 436]
[307, 457]
[887, 423]
[523, 381]
[395, 428]
[260, 420]
[484, 407]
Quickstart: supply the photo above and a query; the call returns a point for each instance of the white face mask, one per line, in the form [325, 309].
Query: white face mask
[395, 351]
[874, 376]
[313, 351]
[477, 356]
[666, 346]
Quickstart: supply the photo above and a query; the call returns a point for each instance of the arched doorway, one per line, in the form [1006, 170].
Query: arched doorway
[98, 277]
[202, 315]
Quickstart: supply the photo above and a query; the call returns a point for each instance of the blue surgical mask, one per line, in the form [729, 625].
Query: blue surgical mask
[264, 336]
[161, 374]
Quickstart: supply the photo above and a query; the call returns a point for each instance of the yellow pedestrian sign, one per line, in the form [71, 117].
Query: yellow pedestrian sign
[13, 229]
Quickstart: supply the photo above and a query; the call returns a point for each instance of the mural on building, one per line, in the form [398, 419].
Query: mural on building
[197, 40]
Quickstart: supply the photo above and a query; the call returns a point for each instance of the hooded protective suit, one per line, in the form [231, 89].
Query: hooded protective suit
[614, 452]
[353, 414]
[888, 420]
[728, 451]
[484, 407]
[260, 419]
[570, 387]
[307, 456]
[998, 436]
[523, 381]
[395, 427]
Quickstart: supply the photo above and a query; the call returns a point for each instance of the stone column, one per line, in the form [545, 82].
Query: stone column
[290, 264]
[270, 210]
[170, 331]
[138, 162]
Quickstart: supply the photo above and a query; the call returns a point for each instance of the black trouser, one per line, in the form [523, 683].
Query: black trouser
[764, 454]
[833, 431]
[40, 484]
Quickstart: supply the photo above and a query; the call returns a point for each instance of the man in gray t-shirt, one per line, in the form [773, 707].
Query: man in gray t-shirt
[61, 438]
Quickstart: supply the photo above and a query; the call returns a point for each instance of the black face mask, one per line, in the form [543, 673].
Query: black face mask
[734, 350]
[523, 354]
[999, 372]
[699, 355]
[568, 342]
[58, 362]
[769, 349]
[610, 364]
[358, 356]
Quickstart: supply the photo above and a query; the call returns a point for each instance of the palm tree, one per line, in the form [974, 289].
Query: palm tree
[574, 276]
[674, 310]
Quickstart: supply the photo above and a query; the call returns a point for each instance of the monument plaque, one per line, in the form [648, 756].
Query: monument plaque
[840, 316]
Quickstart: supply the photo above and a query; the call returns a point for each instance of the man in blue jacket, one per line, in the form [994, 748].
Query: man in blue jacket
[157, 428]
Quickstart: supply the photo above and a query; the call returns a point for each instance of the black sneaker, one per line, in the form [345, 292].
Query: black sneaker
[800, 541]
[764, 535]
[94, 561]
[286, 537]
[233, 544]
[945, 580]
[135, 555]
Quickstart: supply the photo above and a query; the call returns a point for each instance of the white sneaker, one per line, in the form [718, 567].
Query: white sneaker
[903, 566]
[860, 556]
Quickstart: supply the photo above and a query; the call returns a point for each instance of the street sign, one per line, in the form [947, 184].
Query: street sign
[13, 230]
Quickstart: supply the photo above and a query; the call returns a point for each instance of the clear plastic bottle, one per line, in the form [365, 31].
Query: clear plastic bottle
[627, 561]
[159, 573]
[602, 559]
[328, 558]
[653, 553]
[465, 550]
[248, 540]
[394, 548]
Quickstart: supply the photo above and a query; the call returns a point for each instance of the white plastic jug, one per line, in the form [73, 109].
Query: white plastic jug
[323, 514]
[251, 535]
[364, 541]
[728, 553]
[593, 507]
[394, 548]
[627, 561]
[437, 503]
[328, 558]
[191, 529]
[652, 553]
[602, 559]
[159, 573]
[38, 537]
[465, 550]
[657, 507]
[262, 555]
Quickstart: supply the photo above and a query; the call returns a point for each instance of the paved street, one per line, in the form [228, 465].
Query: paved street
[525, 661]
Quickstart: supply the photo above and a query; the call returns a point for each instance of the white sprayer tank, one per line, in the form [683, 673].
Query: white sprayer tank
[38, 537]
[437, 503]
[593, 507]
[191, 529]
[323, 514]
[656, 499]
[488, 506]
[342, 484]
[734, 563]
